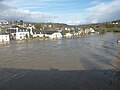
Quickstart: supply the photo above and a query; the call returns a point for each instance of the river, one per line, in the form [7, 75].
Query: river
[85, 63]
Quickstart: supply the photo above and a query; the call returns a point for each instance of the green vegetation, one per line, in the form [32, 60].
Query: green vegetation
[112, 29]
[38, 26]
[103, 30]
[113, 26]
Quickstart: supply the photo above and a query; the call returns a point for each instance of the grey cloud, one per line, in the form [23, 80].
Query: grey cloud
[6, 6]
[104, 12]
[9, 12]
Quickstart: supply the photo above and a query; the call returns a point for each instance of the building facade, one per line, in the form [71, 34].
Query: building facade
[19, 33]
[4, 38]
[53, 34]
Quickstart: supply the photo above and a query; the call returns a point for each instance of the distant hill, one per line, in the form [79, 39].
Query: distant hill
[116, 21]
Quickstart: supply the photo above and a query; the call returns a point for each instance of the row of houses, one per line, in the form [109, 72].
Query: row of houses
[22, 33]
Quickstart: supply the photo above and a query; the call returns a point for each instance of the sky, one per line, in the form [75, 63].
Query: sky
[72, 12]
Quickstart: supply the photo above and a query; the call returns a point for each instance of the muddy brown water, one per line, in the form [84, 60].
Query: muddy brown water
[86, 63]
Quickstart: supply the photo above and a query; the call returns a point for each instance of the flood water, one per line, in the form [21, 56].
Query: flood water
[85, 63]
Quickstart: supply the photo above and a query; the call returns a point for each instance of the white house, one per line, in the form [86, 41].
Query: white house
[19, 33]
[4, 38]
[92, 30]
[53, 34]
[0, 23]
[22, 33]
[87, 31]
[37, 33]
[68, 35]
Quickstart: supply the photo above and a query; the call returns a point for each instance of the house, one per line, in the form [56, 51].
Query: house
[53, 34]
[4, 37]
[80, 32]
[34, 32]
[68, 35]
[75, 33]
[22, 33]
[0, 23]
[37, 33]
[19, 33]
[87, 31]
[92, 30]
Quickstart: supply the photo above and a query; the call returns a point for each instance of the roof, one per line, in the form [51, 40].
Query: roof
[21, 29]
[15, 26]
[11, 31]
[50, 32]
[36, 31]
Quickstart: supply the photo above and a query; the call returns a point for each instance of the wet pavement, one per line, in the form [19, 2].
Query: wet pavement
[85, 63]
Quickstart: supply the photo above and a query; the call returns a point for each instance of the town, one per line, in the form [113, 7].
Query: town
[19, 30]
[23, 31]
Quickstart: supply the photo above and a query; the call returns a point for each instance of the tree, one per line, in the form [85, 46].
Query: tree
[21, 22]
[38, 26]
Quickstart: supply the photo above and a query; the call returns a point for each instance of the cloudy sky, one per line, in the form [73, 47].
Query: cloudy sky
[60, 11]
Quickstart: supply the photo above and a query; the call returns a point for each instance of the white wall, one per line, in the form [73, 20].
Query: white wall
[68, 35]
[21, 35]
[54, 35]
[38, 35]
[4, 38]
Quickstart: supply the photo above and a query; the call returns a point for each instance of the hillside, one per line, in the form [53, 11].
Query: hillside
[104, 27]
